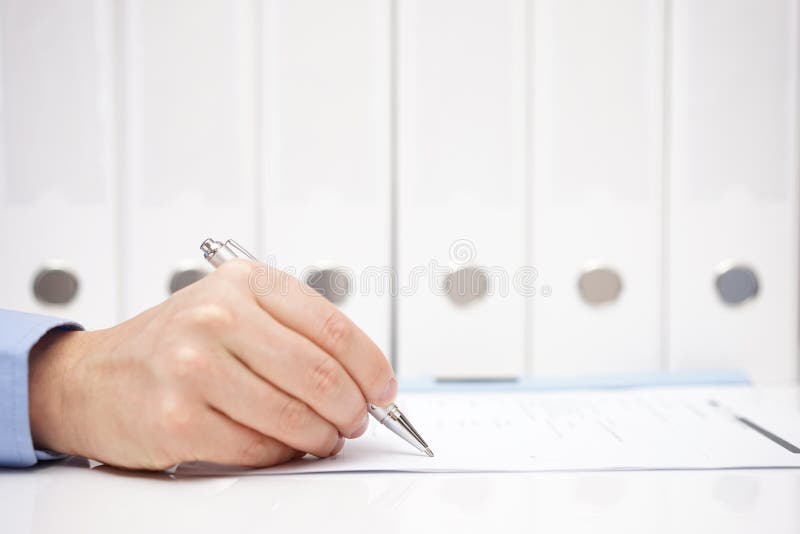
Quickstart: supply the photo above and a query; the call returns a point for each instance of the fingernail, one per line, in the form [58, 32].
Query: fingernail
[361, 429]
[389, 393]
[339, 446]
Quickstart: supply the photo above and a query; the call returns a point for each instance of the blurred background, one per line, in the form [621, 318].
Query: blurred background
[490, 188]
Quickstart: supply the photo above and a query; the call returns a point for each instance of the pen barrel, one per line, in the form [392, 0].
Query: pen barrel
[221, 255]
[217, 253]
[380, 413]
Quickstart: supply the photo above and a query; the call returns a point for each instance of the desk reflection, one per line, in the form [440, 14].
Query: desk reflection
[73, 497]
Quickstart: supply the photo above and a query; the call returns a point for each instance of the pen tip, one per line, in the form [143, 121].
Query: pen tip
[429, 452]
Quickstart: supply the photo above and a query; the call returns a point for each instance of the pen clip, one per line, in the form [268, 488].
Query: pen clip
[239, 249]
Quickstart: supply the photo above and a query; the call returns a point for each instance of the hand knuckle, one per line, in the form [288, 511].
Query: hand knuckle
[175, 415]
[252, 451]
[325, 379]
[211, 316]
[293, 416]
[187, 361]
[336, 331]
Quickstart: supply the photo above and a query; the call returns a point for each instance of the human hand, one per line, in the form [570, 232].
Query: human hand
[217, 373]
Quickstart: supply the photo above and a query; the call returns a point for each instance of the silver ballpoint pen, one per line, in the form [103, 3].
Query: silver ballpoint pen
[390, 416]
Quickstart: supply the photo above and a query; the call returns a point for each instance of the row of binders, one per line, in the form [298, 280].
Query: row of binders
[553, 186]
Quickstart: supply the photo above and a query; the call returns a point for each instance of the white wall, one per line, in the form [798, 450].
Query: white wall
[610, 178]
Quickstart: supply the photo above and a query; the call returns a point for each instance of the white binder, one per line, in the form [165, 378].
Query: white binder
[460, 112]
[188, 136]
[734, 187]
[326, 167]
[596, 185]
[56, 182]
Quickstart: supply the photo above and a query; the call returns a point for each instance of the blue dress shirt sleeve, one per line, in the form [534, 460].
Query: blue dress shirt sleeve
[19, 332]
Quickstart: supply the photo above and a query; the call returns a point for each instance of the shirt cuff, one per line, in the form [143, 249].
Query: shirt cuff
[19, 332]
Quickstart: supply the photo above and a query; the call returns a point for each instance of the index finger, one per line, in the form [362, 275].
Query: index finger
[305, 311]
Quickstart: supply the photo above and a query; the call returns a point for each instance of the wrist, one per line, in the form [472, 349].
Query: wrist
[50, 375]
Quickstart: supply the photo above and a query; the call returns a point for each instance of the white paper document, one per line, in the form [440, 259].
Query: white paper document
[671, 428]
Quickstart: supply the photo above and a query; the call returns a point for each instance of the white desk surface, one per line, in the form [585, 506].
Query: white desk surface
[69, 497]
